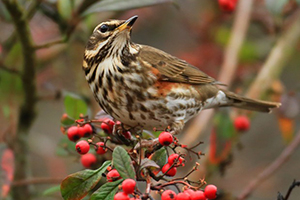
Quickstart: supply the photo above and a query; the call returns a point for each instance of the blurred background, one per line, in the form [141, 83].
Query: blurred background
[238, 42]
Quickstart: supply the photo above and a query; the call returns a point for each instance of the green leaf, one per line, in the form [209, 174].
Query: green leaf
[122, 163]
[74, 105]
[160, 157]
[150, 164]
[107, 191]
[224, 125]
[51, 190]
[67, 121]
[77, 185]
[116, 5]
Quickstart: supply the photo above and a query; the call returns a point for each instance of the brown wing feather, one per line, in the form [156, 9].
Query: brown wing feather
[173, 69]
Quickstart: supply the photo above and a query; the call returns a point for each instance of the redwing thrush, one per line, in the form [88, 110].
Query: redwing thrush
[144, 87]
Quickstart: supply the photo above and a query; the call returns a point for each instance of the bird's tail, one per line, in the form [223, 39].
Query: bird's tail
[249, 104]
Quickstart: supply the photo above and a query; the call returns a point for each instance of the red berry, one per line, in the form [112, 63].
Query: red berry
[210, 191]
[128, 186]
[107, 126]
[242, 123]
[189, 191]
[121, 196]
[88, 160]
[73, 133]
[198, 195]
[126, 134]
[171, 172]
[112, 175]
[85, 130]
[174, 157]
[228, 5]
[165, 138]
[100, 148]
[183, 196]
[82, 147]
[168, 195]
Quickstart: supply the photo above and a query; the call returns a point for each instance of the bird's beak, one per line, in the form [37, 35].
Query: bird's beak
[128, 23]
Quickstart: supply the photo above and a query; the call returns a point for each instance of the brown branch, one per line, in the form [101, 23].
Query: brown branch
[7, 69]
[19, 143]
[49, 44]
[240, 27]
[40, 180]
[275, 165]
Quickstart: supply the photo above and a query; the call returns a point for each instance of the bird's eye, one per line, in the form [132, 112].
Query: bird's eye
[103, 28]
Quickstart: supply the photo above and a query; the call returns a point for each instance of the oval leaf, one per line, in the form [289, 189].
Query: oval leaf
[77, 185]
[50, 191]
[107, 191]
[122, 163]
[160, 157]
[147, 163]
[116, 5]
[75, 106]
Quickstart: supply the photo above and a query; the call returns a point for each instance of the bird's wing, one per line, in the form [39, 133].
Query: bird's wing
[173, 69]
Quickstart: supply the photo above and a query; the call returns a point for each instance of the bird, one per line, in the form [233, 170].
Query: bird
[146, 88]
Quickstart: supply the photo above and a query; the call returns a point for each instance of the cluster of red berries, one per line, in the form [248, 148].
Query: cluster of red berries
[89, 159]
[107, 126]
[228, 5]
[174, 161]
[74, 133]
[128, 187]
[241, 123]
[210, 192]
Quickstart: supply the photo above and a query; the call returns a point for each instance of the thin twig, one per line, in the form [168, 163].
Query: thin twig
[13, 71]
[40, 180]
[275, 165]
[294, 184]
[27, 110]
[49, 44]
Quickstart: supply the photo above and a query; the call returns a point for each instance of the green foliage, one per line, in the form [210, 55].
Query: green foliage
[148, 164]
[67, 121]
[51, 190]
[160, 157]
[107, 191]
[77, 185]
[122, 163]
[74, 105]
[117, 5]
[249, 51]
[224, 125]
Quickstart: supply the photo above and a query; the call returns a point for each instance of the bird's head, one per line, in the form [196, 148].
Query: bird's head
[113, 33]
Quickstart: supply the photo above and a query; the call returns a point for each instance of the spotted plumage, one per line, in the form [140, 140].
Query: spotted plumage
[146, 88]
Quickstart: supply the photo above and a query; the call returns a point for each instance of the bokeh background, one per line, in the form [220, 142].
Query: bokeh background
[199, 32]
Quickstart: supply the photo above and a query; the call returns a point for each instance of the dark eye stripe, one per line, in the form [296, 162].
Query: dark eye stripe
[112, 27]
